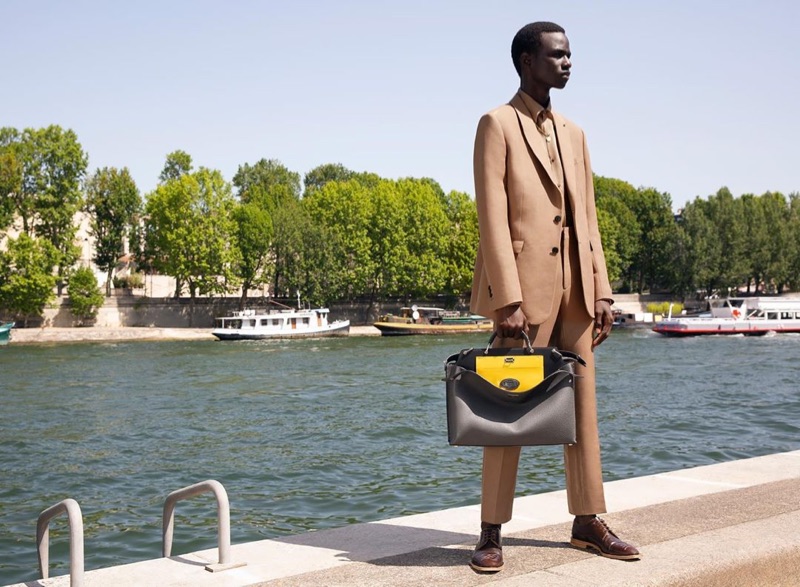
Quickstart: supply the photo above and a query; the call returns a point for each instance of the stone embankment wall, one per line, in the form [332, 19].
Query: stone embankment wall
[167, 312]
[138, 311]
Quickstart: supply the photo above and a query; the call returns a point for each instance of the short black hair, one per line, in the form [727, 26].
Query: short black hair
[528, 39]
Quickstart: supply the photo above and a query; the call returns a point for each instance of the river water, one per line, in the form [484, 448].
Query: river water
[309, 434]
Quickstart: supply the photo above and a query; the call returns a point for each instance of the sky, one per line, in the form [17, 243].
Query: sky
[685, 96]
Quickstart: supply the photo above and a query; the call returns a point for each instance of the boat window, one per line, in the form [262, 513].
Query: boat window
[772, 315]
[264, 321]
[736, 303]
[305, 321]
[786, 316]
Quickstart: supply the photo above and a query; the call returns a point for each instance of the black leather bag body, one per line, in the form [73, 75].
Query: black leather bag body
[502, 405]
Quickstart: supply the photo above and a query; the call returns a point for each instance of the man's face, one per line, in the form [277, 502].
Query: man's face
[551, 65]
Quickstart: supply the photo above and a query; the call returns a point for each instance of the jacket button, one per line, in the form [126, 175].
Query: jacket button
[554, 251]
[557, 220]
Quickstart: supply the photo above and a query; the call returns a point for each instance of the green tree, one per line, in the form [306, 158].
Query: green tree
[322, 174]
[48, 197]
[305, 256]
[114, 204]
[777, 218]
[254, 235]
[422, 268]
[727, 216]
[794, 231]
[267, 183]
[462, 216]
[345, 209]
[613, 196]
[178, 163]
[610, 231]
[653, 261]
[10, 185]
[756, 236]
[26, 276]
[84, 294]
[191, 232]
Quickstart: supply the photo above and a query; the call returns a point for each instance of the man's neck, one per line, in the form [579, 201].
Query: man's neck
[538, 93]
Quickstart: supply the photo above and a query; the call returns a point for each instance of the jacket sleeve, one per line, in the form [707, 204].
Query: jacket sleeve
[602, 287]
[491, 198]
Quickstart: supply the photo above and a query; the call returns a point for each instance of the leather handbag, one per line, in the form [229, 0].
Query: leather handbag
[511, 396]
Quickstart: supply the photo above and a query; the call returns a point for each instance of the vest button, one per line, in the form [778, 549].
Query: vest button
[554, 251]
[557, 219]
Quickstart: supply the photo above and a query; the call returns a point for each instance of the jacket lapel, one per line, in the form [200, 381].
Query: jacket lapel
[532, 136]
[567, 159]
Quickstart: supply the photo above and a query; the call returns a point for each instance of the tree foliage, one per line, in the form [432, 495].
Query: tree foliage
[191, 231]
[267, 183]
[26, 275]
[41, 177]
[178, 163]
[254, 235]
[462, 246]
[114, 204]
[84, 294]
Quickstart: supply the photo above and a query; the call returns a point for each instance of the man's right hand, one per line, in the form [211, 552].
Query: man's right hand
[510, 321]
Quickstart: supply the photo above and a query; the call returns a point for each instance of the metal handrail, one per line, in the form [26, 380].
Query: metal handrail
[223, 521]
[75, 520]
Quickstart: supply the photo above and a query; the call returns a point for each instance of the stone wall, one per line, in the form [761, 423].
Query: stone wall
[135, 310]
[132, 311]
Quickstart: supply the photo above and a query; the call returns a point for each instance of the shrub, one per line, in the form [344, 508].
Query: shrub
[84, 294]
[132, 281]
[663, 308]
[135, 280]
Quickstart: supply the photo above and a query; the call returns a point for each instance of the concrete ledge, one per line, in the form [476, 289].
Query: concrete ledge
[729, 524]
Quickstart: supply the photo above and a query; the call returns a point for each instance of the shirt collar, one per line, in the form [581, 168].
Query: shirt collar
[537, 111]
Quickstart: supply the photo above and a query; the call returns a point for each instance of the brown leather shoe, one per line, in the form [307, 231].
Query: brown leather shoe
[596, 535]
[488, 555]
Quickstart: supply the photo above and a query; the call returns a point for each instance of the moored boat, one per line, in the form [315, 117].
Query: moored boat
[278, 324]
[5, 332]
[431, 320]
[746, 316]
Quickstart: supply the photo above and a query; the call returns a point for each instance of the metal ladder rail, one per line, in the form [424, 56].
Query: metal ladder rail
[223, 522]
[75, 520]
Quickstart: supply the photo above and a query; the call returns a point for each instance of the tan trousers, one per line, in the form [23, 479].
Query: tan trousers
[570, 328]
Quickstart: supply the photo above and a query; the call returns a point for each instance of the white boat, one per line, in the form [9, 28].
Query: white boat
[747, 316]
[279, 323]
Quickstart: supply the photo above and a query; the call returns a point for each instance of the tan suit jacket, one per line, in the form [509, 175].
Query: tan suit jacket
[520, 212]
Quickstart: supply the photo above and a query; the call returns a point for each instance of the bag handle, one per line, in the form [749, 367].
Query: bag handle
[558, 353]
[528, 345]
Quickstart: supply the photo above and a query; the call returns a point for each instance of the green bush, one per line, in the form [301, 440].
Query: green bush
[663, 308]
[132, 281]
[84, 294]
[135, 280]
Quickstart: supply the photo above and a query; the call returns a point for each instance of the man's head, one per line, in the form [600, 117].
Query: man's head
[529, 40]
[541, 56]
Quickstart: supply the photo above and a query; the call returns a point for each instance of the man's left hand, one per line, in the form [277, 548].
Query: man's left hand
[603, 319]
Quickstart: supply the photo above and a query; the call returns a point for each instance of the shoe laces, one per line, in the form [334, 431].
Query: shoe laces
[490, 536]
[605, 525]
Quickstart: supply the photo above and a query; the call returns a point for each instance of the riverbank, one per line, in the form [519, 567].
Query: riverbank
[91, 334]
[732, 524]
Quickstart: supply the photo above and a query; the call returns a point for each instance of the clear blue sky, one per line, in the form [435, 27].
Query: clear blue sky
[684, 96]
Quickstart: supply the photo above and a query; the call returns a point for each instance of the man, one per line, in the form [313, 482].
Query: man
[540, 269]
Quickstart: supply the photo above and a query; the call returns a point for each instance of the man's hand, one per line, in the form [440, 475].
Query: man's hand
[510, 321]
[603, 319]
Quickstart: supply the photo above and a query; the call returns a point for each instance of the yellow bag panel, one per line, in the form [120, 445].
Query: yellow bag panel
[511, 373]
